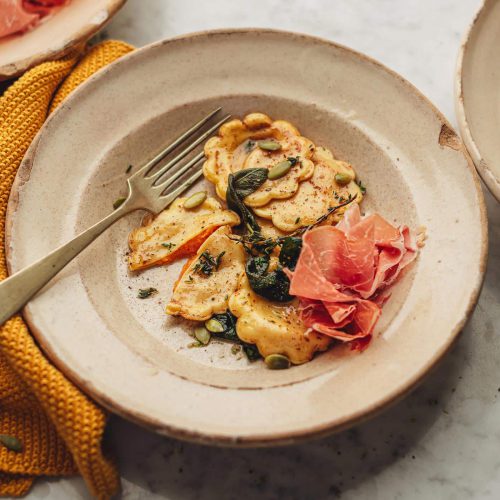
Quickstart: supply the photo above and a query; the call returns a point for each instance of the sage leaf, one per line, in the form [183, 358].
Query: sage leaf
[249, 180]
[227, 321]
[273, 285]
[290, 251]
[240, 185]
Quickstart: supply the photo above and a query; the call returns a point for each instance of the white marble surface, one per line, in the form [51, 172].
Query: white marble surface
[441, 442]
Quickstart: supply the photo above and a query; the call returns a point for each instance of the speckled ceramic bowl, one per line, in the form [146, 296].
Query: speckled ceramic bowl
[55, 36]
[125, 352]
[477, 97]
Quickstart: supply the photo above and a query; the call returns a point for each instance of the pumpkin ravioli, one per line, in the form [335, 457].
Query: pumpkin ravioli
[176, 232]
[200, 291]
[238, 147]
[274, 327]
[314, 196]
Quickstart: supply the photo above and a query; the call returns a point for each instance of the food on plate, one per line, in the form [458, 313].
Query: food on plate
[176, 232]
[274, 327]
[291, 266]
[259, 142]
[17, 16]
[209, 278]
[332, 181]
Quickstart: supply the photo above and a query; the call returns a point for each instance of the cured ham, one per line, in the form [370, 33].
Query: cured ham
[343, 272]
[17, 16]
[13, 17]
[42, 7]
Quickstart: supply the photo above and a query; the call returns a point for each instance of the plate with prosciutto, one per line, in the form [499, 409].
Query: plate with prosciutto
[34, 31]
[477, 81]
[326, 260]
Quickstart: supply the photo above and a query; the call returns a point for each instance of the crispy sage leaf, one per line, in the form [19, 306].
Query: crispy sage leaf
[273, 285]
[240, 185]
[290, 251]
[249, 180]
[228, 322]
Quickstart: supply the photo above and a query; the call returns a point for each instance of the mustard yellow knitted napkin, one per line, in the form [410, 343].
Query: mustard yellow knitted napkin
[60, 429]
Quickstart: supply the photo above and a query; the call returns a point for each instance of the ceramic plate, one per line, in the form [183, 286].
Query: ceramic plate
[125, 352]
[477, 93]
[55, 36]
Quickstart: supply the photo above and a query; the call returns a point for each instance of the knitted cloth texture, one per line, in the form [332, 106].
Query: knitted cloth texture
[60, 428]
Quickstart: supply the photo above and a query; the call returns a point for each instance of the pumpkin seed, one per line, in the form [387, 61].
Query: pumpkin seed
[11, 442]
[269, 145]
[119, 202]
[195, 200]
[214, 326]
[279, 170]
[277, 362]
[342, 178]
[202, 335]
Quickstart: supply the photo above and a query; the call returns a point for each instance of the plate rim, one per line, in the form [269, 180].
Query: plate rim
[255, 440]
[77, 39]
[491, 180]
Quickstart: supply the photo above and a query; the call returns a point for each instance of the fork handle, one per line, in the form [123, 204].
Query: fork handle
[18, 289]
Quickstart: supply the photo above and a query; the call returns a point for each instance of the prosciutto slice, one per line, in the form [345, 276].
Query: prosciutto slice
[42, 7]
[17, 16]
[343, 272]
[13, 17]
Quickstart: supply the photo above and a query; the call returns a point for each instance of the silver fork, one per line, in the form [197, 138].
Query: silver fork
[147, 189]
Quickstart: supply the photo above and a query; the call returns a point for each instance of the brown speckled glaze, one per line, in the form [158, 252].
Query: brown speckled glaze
[477, 101]
[55, 36]
[126, 352]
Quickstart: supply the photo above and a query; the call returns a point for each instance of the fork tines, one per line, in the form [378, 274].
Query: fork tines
[158, 184]
[173, 167]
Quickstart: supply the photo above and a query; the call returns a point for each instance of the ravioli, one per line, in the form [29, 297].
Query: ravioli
[197, 296]
[315, 196]
[268, 229]
[176, 232]
[274, 327]
[236, 148]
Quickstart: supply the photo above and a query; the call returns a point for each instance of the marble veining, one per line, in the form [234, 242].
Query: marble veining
[441, 441]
